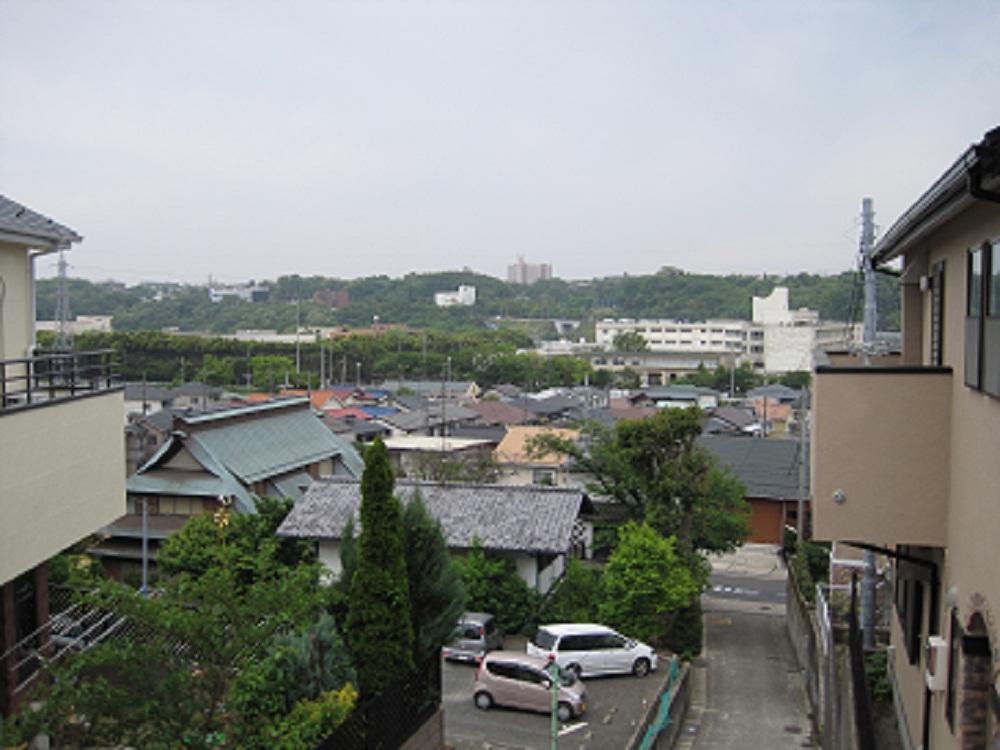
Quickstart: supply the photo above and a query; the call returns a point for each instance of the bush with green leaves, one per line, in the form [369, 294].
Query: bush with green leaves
[492, 585]
[298, 667]
[313, 720]
[577, 596]
[645, 583]
[379, 629]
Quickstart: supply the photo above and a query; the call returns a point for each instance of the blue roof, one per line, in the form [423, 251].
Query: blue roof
[379, 411]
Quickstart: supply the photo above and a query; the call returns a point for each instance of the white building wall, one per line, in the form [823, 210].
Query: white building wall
[772, 309]
[788, 348]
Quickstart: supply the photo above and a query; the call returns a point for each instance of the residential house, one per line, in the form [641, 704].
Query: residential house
[769, 470]
[682, 397]
[500, 413]
[905, 458]
[223, 457]
[432, 389]
[519, 466]
[147, 398]
[422, 456]
[62, 457]
[733, 420]
[438, 419]
[776, 417]
[537, 528]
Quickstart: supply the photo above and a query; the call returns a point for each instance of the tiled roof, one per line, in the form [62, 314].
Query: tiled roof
[430, 417]
[18, 219]
[523, 519]
[500, 412]
[769, 467]
[513, 448]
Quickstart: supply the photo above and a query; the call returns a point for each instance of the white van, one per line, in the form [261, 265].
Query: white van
[590, 649]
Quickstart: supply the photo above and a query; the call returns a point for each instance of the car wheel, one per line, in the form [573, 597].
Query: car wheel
[484, 700]
[564, 713]
[641, 667]
[575, 669]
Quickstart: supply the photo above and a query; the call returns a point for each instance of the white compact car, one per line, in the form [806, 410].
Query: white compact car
[589, 649]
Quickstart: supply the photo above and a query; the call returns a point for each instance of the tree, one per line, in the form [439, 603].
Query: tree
[269, 371]
[297, 667]
[492, 585]
[379, 628]
[217, 370]
[437, 594]
[644, 582]
[252, 548]
[631, 342]
[576, 597]
[653, 467]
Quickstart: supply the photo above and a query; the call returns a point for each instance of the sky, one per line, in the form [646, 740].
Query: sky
[251, 139]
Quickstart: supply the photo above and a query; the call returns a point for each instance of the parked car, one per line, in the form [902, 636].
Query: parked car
[517, 680]
[475, 634]
[589, 649]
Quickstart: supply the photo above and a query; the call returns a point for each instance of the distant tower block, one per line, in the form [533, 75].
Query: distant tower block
[528, 273]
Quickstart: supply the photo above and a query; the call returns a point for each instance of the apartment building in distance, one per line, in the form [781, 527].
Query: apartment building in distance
[904, 458]
[62, 457]
[528, 273]
[776, 340]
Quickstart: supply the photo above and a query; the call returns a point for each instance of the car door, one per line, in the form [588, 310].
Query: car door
[534, 689]
[615, 654]
[505, 683]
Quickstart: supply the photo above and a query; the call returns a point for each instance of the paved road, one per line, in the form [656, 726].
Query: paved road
[747, 689]
[614, 707]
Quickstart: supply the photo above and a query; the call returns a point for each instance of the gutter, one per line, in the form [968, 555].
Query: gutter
[962, 185]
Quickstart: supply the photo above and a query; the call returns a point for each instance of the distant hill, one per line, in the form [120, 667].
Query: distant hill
[410, 299]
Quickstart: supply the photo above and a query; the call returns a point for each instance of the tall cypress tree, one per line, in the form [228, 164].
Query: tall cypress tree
[379, 629]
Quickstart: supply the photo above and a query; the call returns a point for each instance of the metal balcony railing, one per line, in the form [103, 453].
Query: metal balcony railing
[51, 376]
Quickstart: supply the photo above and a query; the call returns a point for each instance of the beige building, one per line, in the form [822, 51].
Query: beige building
[62, 458]
[518, 465]
[905, 458]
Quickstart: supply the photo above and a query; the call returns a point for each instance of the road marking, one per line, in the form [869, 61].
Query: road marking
[572, 728]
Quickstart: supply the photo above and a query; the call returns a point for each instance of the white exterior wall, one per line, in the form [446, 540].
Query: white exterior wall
[772, 309]
[674, 336]
[329, 556]
[17, 306]
[788, 348]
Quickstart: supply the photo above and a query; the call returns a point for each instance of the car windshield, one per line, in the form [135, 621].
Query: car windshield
[544, 639]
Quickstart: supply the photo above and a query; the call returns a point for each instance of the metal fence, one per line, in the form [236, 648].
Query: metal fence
[55, 375]
[385, 721]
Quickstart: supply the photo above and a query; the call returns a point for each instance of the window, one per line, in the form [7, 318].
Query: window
[503, 669]
[909, 606]
[543, 476]
[982, 319]
[954, 644]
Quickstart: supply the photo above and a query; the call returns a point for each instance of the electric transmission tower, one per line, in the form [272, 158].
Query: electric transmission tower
[62, 304]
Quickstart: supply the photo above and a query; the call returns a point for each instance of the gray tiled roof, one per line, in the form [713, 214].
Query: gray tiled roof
[422, 418]
[769, 467]
[20, 219]
[507, 518]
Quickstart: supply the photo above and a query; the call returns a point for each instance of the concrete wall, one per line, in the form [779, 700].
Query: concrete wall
[62, 477]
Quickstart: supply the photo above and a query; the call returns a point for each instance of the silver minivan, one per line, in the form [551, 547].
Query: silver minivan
[589, 649]
[475, 633]
[516, 680]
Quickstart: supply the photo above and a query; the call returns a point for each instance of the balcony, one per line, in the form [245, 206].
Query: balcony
[62, 454]
[881, 450]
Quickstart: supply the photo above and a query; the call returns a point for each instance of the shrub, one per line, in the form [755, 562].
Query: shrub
[684, 632]
[492, 585]
[577, 596]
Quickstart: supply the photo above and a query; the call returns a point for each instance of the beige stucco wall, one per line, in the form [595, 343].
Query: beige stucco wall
[882, 439]
[16, 301]
[62, 477]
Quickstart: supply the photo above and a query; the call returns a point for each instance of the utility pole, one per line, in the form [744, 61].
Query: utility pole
[869, 335]
[298, 325]
[62, 303]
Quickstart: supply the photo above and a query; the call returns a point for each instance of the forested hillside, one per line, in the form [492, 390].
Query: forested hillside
[410, 300]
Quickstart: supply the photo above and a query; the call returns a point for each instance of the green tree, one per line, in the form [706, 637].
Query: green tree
[576, 597]
[631, 342]
[217, 370]
[379, 628]
[252, 549]
[437, 594]
[270, 371]
[492, 585]
[644, 583]
[297, 667]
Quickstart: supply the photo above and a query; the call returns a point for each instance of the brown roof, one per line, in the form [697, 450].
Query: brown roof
[513, 448]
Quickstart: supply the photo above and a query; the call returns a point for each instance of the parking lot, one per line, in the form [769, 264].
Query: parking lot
[615, 707]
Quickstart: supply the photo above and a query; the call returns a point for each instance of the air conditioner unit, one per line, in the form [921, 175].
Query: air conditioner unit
[936, 659]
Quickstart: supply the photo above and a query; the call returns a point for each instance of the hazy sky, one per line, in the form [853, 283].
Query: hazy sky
[250, 139]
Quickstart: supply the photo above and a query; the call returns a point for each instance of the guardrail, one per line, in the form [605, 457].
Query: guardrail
[661, 725]
[54, 376]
